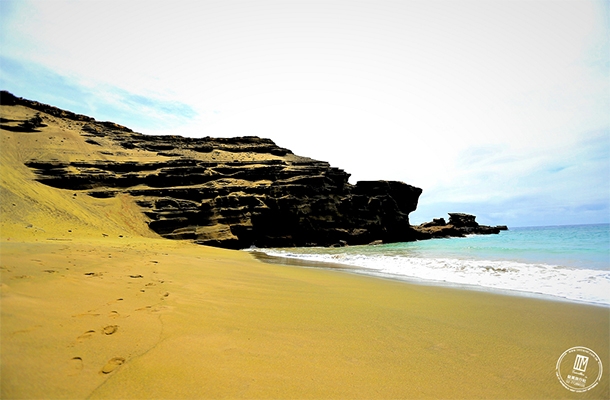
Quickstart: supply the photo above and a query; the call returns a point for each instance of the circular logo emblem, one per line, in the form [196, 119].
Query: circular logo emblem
[579, 369]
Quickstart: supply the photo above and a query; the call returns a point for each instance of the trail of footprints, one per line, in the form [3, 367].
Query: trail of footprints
[77, 362]
[112, 364]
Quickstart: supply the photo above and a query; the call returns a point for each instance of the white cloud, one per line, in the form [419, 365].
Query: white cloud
[384, 89]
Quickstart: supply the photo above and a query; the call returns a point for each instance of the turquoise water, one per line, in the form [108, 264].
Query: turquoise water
[578, 246]
[568, 262]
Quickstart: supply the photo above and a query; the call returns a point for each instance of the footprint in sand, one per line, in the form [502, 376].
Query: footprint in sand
[89, 314]
[85, 335]
[114, 301]
[110, 329]
[112, 364]
[154, 308]
[75, 366]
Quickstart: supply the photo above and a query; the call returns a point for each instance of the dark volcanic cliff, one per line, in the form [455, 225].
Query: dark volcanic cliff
[459, 225]
[231, 193]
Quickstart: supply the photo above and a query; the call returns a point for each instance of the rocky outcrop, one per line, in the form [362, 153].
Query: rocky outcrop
[226, 192]
[243, 203]
[229, 192]
[459, 225]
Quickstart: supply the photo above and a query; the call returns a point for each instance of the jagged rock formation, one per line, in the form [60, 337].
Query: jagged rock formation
[231, 193]
[459, 225]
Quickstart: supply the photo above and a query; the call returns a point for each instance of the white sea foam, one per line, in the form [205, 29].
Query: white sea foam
[577, 284]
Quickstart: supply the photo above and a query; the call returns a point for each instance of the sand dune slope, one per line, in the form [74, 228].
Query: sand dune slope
[33, 210]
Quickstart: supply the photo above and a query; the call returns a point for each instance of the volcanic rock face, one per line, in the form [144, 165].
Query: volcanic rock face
[231, 193]
[459, 225]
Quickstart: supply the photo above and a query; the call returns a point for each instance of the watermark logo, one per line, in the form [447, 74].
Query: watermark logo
[579, 369]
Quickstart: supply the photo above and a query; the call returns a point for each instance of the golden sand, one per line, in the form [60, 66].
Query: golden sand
[94, 305]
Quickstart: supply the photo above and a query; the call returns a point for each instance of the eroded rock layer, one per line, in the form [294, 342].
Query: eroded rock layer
[459, 225]
[226, 192]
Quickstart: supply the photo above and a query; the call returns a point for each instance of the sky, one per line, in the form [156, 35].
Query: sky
[494, 108]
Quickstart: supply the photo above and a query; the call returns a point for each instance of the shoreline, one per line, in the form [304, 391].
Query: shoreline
[260, 255]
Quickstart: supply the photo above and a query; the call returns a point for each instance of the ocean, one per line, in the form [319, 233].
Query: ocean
[560, 262]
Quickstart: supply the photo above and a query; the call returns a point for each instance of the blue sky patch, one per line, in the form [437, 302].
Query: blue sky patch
[104, 103]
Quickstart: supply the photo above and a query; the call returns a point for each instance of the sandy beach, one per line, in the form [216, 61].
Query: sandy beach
[155, 319]
[94, 305]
